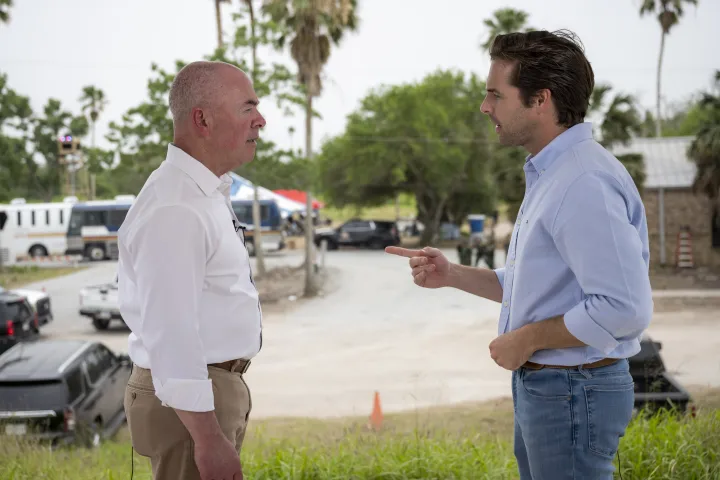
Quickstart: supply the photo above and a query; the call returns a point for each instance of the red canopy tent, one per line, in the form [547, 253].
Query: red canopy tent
[300, 197]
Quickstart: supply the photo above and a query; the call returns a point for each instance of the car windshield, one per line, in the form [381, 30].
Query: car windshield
[24, 395]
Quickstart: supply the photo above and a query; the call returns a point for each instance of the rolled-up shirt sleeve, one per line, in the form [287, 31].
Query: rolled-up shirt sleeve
[500, 272]
[595, 237]
[169, 252]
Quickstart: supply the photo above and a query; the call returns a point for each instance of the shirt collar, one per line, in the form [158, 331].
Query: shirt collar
[571, 136]
[205, 179]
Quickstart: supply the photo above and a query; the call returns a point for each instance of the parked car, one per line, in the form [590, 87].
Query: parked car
[39, 301]
[18, 321]
[62, 391]
[375, 234]
[100, 304]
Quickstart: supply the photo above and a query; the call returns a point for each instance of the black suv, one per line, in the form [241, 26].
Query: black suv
[375, 234]
[18, 321]
[62, 391]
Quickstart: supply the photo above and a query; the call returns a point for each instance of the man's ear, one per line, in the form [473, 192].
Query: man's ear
[200, 121]
[542, 98]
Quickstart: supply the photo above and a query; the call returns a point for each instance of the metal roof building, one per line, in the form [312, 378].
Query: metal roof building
[666, 162]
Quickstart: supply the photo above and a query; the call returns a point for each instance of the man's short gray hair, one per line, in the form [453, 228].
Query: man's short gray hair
[195, 85]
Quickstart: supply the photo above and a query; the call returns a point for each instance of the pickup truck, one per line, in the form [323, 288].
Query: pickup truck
[100, 304]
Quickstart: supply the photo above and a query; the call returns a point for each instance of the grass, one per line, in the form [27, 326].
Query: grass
[15, 277]
[461, 442]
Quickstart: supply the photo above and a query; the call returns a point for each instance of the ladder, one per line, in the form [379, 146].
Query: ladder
[683, 252]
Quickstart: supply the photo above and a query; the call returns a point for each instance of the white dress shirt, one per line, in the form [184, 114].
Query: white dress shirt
[185, 284]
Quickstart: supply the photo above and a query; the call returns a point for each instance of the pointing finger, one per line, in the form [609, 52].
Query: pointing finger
[403, 252]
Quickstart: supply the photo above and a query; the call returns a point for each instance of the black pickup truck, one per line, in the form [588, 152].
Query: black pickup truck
[62, 391]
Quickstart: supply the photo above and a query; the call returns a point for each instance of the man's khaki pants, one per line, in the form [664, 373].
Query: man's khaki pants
[158, 433]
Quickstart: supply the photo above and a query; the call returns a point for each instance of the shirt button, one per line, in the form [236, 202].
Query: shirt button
[506, 303]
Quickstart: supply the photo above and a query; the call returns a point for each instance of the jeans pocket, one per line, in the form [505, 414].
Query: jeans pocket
[609, 410]
[546, 384]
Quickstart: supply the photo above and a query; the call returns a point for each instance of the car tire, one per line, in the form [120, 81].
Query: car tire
[101, 323]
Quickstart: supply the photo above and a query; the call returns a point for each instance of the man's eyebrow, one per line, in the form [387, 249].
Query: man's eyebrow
[252, 102]
[493, 90]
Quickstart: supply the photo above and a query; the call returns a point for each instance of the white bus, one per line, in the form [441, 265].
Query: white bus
[33, 229]
[93, 227]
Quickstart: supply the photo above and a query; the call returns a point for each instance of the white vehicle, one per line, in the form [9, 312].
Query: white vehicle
[38, 300]
[93, 227]
[33, 229]
[100, 304]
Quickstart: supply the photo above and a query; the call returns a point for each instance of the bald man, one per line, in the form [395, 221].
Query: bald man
[186, 288]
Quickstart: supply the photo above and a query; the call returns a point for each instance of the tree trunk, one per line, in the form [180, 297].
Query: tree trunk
[257, 218]
[430, 213]
[310, 287]
[218, 21]
[658, 118]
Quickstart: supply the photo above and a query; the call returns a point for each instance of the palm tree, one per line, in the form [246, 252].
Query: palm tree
[505, 20]
[668, 14]
[5, 10]
[94, 103]
[218, 21]
[705, 148]
[621, 121]
[257, 219]
[313, 25]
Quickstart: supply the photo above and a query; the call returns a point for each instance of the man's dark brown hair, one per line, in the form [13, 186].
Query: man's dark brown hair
[549, 60]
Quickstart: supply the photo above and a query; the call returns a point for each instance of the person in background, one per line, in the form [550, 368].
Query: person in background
[185, 285]
[575, 291]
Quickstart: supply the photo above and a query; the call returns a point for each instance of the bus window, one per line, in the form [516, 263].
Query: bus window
[117, 217]
[62, 217]
[19, 218]
[3, 219]
[47, 217]
[76, 223]
[32, 218]
[95, 218]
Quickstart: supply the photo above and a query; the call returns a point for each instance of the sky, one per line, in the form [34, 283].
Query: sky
[53, 48]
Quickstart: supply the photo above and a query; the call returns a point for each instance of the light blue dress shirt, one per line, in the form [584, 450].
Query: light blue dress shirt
[579, 248]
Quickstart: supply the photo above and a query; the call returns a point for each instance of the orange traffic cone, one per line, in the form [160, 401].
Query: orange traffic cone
[376, 417]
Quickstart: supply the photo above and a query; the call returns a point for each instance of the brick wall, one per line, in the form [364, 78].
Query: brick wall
[682, 207]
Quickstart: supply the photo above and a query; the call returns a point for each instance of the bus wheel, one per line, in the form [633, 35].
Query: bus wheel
[95, 252]
[38, 251]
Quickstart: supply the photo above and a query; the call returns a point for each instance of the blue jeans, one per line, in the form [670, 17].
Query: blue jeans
[568, 422]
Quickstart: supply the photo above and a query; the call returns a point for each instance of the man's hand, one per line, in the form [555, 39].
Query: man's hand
[511, 350]
[430, 268]
[217, 459]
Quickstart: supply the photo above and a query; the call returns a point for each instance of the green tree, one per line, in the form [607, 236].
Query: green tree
[668, 15]
[503, 21]
[621, 122]
[705, 148]
[426, 139]
[141, 137]
[313, 26]
[5, 10]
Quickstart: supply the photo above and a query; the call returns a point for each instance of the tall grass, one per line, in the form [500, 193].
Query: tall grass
[664, 447]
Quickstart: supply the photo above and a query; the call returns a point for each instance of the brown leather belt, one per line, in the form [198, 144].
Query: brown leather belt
[240, 365]
[600, 363]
